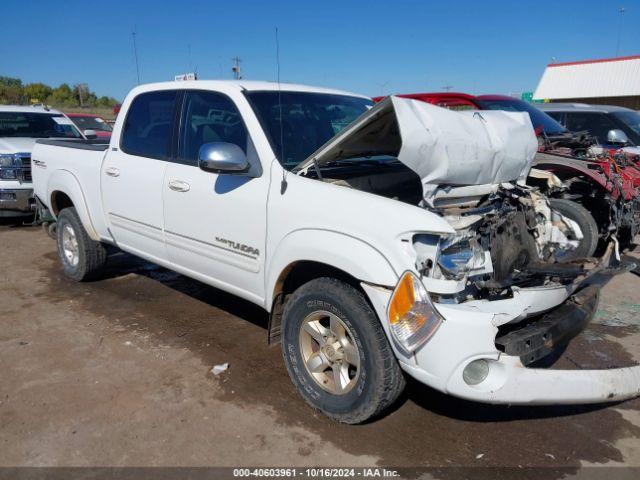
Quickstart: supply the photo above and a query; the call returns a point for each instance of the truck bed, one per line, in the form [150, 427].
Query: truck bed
[72, 166]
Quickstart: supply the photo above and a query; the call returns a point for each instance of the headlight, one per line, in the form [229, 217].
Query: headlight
[9, 161]
[8, 174]
[458, 255]
[412, 317]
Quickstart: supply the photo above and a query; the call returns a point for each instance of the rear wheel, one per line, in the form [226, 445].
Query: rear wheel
[586, 246]
[337, 353]
[82, 258]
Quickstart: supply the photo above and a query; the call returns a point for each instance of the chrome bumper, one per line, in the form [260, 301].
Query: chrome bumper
[15, 202]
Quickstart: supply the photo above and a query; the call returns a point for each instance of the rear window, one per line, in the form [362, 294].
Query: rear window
[148, 127]
[538, 117]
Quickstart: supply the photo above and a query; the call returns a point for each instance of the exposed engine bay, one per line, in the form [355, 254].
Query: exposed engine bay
[509, 237]
[470, 170]
[506, 235]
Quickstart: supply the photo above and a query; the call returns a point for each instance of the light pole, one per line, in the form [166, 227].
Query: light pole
[135, 54]
[621, 12]
[237, 73]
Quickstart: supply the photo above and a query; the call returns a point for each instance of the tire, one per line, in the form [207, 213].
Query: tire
[50, 228]
[377, 381]
[82, 258]
[585, 221]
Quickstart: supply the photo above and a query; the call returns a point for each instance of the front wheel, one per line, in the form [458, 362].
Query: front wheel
[337, 353]
[586, 246]
[82, 258]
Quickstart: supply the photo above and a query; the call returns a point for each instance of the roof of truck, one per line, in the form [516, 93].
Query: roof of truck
[28, 108]
[248, 85]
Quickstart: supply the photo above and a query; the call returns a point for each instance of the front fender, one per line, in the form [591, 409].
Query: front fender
[559, 165]
[66, 182]
[344, 252]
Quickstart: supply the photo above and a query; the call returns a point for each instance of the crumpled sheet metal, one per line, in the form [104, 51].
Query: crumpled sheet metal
[446, 147]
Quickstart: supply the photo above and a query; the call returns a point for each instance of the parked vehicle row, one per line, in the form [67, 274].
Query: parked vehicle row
[386, 240]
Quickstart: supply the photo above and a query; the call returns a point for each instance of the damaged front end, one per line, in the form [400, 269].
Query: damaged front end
[476, 308]
[509, 238]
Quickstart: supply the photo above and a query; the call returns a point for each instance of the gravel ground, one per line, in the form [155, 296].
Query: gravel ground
[116, 372]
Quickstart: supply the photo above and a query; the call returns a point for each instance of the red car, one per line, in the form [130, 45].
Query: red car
[606, 185]
[91, 122]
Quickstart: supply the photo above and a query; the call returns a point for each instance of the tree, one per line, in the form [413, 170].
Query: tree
[63, 96]
[10, 82]
[37, 92]
[11, 90]
[106, 102]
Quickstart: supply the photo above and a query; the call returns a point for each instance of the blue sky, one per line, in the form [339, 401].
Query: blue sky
[370, 47]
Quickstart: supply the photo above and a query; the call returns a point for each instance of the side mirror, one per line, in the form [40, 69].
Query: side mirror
[222, 157]
[617, 136]
[90, 134]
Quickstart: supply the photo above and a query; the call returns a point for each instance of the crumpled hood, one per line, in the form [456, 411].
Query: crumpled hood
[445, 148]
[17, 144]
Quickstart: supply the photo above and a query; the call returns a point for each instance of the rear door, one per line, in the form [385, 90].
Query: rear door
[215, 224]
[132, 174]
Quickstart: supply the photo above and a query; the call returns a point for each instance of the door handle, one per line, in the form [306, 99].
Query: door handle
[112, 172]
[179, 186]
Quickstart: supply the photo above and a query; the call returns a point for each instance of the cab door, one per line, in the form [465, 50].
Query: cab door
[132, 174]
[215, 223]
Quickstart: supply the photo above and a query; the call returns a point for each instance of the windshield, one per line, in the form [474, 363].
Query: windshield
[630, 118]
[91, 123]
[538, 117]
[36, 125]
[309, 120]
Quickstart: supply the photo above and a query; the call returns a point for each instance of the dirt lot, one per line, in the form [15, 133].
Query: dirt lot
[117, 372]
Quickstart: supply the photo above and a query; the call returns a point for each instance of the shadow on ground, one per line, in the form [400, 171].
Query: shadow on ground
[425, 428]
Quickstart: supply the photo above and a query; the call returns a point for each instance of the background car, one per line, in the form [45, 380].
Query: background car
[90, 124]
[599, 120]
[607, 195]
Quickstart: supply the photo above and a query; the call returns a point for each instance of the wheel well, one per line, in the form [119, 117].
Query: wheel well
[293, 276]
[586, 191]
[59, 200]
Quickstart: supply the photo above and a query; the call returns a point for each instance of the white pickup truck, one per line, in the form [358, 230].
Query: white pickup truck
[20, 126]
[386, 240]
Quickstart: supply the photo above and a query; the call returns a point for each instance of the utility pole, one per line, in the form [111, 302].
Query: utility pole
[82, 88]
[135, 54]
[447, 88]
[621, 11]
[237, 73]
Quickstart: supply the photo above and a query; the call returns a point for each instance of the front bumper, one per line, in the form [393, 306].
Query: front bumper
[16, 201]
[473, 332]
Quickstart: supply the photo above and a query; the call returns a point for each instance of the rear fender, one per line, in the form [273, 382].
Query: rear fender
[64, 181]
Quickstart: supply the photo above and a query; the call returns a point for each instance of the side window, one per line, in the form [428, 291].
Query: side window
[209, 117]
[557, 116]
[597, 124]
[148, 128]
